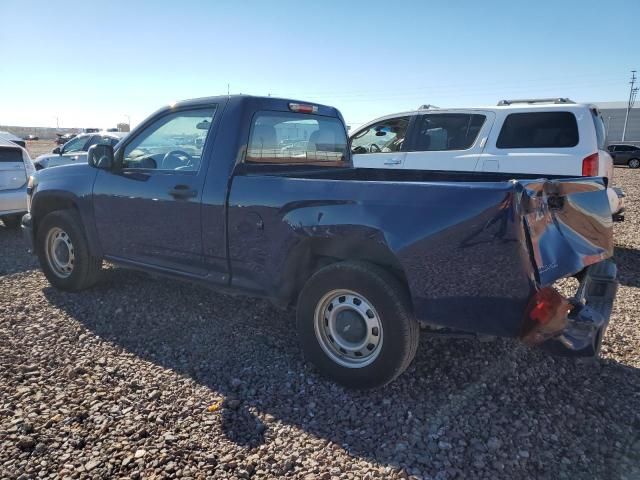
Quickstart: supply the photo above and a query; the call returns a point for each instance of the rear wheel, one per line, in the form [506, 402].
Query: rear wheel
[12, 221]
[63, 252]
[634, 163]
[355, 324]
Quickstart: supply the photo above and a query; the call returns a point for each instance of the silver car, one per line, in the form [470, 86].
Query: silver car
[75, 150]
[15, 169]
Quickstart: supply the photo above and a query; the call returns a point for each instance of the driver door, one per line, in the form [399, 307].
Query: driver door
[381, 144]
[147, 209]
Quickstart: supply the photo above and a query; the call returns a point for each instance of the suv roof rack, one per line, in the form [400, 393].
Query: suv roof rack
[428, 106]
[503, 103]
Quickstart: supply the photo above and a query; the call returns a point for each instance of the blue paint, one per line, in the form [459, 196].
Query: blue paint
[471, 248]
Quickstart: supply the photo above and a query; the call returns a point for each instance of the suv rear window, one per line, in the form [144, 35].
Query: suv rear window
[539, 130]
[297, 139]
[10, 155]
[447, 131]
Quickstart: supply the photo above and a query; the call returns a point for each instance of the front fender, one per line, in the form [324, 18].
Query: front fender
[63, 188]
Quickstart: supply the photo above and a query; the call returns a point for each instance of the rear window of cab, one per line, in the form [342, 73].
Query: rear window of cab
[297, 139]
[539, 130]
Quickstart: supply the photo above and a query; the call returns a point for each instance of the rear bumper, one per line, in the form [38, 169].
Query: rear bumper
[585, 325]
[27, 232]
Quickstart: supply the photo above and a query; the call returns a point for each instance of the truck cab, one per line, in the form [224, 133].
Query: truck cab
[258, 196]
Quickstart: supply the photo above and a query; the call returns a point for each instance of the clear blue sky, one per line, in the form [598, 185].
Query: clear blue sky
[92, 63]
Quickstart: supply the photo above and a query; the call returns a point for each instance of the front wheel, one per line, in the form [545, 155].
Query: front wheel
[634, 163]
[355, 324]
[63, 252]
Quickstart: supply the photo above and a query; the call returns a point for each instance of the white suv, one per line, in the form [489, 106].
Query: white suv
[538, 136]
[15, 169]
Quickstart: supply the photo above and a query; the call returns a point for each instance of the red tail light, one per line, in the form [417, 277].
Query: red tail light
[546, 316]
[545, 304]
[590, 165]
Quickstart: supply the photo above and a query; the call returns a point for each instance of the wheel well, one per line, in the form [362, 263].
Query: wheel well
[309, 257]
[50, 204]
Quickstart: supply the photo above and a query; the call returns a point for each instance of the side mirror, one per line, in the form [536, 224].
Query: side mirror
[57, 150]
[101, 156]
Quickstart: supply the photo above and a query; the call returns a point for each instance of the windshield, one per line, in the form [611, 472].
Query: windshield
[75, 145]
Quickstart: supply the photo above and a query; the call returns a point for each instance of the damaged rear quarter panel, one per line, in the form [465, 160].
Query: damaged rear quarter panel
[462, 248]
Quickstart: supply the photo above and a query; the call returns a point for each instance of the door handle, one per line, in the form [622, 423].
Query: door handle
[393, 161]
[182, 191]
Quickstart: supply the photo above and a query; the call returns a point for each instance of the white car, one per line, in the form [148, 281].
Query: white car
[75, 150]
[15, 169]
[539, 137]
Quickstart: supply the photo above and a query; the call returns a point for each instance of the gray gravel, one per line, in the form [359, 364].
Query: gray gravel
[146, 378]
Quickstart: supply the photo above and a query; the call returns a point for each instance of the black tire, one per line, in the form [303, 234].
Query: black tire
[12, 221]
[392, 303]
[86, 268]
[634, 163]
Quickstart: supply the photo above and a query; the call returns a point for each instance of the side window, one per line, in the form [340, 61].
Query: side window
[601, 131]
[447, 131]
[75, 144]
[539, 130]
[173, 142]
[297, 139]
[382, 137]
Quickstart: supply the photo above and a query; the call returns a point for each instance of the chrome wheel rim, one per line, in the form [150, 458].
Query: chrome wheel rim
[635, 163]
[348, 328]
[59, 252]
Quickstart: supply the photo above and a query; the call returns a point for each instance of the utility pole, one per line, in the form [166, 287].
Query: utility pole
[632, 99]
[227, 89]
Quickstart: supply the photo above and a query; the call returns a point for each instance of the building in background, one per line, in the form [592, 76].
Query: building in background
[613, 114]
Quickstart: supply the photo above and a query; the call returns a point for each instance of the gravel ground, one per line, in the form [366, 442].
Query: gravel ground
[146, 378]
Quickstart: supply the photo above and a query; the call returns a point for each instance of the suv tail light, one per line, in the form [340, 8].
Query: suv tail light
[590, 165]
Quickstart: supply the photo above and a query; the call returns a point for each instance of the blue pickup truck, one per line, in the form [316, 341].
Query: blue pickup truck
[258, 196]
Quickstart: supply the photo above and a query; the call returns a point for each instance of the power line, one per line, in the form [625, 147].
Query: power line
[434, 92]
[469, 84]
[632, 100]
